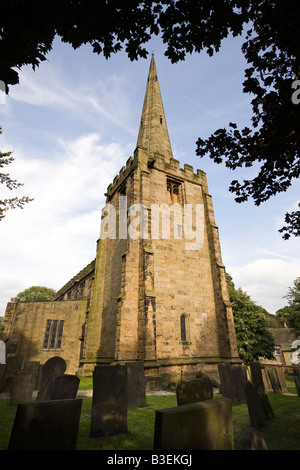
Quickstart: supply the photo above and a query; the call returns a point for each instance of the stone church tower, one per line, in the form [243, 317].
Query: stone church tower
[157, 290]
[157, 296]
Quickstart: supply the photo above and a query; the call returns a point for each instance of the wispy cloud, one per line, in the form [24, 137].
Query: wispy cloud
[55, 235]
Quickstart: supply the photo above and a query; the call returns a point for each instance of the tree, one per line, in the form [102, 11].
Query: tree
[271, 48]
[254, 340]
[12, 203]
[35, 294]
[291, 313]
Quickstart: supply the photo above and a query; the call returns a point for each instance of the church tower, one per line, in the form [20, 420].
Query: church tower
[160, 294]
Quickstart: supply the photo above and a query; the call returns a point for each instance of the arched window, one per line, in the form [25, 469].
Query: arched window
[183, 327]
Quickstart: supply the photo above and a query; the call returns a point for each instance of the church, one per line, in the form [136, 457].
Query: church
[156, 291]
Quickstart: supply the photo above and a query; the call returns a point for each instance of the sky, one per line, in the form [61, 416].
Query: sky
[73, 123]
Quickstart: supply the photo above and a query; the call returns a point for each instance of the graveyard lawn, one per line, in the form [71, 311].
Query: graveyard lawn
[281, 433]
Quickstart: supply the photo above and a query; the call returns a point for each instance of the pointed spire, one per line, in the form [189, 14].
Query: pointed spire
[153, 133]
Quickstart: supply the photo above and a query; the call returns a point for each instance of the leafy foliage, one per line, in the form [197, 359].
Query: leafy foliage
[272, 51]
[254, 340]
[35, 294]
[291, 313]
[11, 203]
[271, 48]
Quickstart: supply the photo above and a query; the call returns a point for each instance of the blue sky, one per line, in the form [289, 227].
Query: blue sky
[73, 123]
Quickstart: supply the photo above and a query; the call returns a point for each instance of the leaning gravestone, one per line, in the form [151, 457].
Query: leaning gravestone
[136, 391]
[253, 440]
[50, 425]
[281, 379]
[256, 376]
[53, 367]
[205, 425]
[191, 391]
[259, 408]
[22, 387]
[109, 405]
[65, 386]
[274, 380]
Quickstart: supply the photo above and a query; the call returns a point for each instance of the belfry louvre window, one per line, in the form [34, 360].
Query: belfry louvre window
[53, 334]
[173, 192]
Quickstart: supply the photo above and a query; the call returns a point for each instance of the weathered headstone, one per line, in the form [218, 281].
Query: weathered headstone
[136, 391]
[266, 378]
[13, 364]
[205, 425]
[297, 383]
[50, 425]
[109, 405]
[274, 380]
[233, 379]
[259, 407]
[2, 352]
[239, 378]
[256, 376]
[253, 440]
[281, 379]
[227, 388]
[65, 386]
[52, 368]
[191, 391]
[22, 387]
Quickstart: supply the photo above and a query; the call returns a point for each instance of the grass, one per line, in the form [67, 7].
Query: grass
[281, 433]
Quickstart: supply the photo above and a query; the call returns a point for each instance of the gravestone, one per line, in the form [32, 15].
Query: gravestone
[192, 391]
[256, 376]
[259, 408]
[253, 440]
[2, 352]
[65, 386]
[274, 380]
[239, 378]
[266, 378]
[53, 367]
[12, 365]
[136, 391]
[22, 387]
[109, 405]
[50, 425]
[297, 383]
[233, 379]
[281, 379]
[205, 425]
[227, 388]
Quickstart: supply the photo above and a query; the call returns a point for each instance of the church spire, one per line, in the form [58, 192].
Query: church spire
[153, 133]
